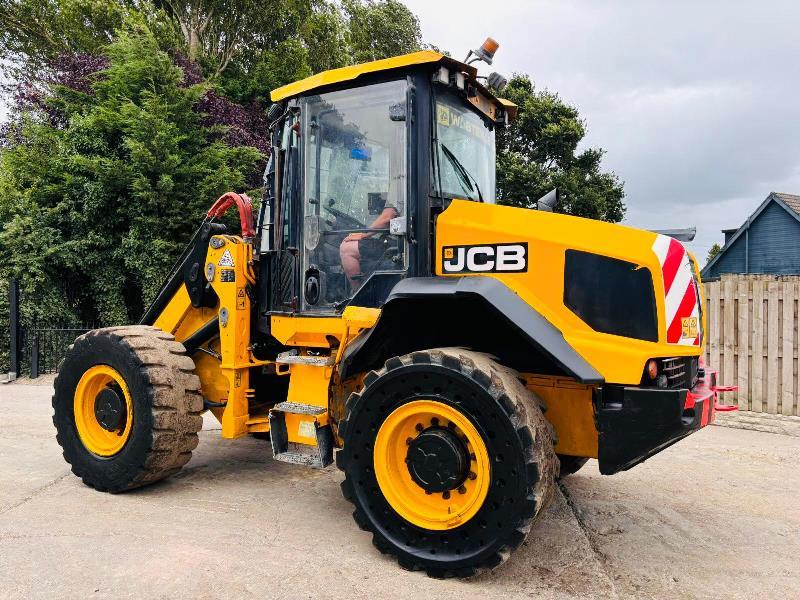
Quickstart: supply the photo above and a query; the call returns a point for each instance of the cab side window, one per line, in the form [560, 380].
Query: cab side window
[355, 184]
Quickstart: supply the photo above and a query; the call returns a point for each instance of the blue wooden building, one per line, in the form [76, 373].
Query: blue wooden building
[768, 242]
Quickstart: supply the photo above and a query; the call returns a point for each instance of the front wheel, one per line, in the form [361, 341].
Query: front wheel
[127, 407]
[447, 459]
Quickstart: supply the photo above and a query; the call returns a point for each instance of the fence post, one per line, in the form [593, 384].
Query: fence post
[13, 325]
[35, 356]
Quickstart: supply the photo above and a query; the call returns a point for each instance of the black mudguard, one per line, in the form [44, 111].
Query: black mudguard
[468, 306]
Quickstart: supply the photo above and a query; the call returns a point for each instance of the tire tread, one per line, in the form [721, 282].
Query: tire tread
[175, 403]
[522, 407]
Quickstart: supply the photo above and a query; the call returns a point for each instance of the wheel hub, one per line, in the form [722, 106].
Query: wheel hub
[109, 409]
[437, 460]
[103, 410]
[431, 464]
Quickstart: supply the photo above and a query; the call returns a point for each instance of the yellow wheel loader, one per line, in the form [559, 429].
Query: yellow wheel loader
[454, 356]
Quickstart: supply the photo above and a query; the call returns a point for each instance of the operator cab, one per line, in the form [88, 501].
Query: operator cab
[363, 160]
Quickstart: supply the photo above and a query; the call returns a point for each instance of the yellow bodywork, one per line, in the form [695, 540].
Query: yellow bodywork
[549, 235]
[570, 410]
[226, 380]
[482, 99]
[618, 359]
[226, 364]
[350, 73]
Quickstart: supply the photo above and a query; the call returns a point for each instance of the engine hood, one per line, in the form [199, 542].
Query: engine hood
[573, 270]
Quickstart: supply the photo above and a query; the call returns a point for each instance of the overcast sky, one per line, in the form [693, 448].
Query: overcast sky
[696, 103]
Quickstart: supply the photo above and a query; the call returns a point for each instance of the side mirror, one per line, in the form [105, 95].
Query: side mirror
[274, 111]
[496, 81]
[549, 201]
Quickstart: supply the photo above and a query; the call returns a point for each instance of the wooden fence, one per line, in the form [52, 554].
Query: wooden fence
[752, 340]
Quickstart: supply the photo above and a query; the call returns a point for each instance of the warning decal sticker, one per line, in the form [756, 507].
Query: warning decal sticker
[681, 302]
[226, 260]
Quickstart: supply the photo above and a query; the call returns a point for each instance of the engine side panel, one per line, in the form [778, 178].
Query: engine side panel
[526, 249]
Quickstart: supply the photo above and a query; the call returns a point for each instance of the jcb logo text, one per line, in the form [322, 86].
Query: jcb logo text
[486, 258]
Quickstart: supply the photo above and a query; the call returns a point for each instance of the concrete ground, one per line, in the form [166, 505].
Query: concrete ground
[716, 516]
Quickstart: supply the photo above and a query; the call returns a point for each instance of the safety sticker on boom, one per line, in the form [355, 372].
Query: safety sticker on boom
[486, 258]
[226, 260]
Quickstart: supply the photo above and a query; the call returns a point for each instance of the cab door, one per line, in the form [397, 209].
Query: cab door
[354, 197]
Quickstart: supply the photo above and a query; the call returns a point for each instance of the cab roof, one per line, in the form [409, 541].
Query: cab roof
[352, 73]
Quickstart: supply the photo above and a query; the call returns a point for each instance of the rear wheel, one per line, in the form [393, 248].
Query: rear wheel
[127, 407]
[447, 459]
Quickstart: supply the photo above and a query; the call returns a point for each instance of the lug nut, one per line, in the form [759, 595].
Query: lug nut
[472, 476]
[427, 493]
[446, 494]
[472, 456]
[434, 421]
[408, 441]
[419, 427]
[462, 489]
[451, 425]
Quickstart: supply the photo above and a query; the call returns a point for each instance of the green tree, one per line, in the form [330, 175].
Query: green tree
[100, 190]
[33, 33]
[539, 152]
[713, 251]
[40, 29]
[217, 32]
[326, 35]
[381, 28]
[323, 36]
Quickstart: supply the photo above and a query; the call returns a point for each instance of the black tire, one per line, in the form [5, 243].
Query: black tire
[519, 441]
[570, 464]
[167, 406]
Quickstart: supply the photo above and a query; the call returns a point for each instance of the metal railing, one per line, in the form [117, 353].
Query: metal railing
[47, 347]
[33, 349]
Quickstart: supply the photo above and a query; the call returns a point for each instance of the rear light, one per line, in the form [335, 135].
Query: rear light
[652, 369]
[673, 373]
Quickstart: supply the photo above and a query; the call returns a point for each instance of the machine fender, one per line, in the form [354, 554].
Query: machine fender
[495, 297]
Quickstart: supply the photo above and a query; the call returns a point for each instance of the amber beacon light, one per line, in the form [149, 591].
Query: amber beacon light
[485, 53]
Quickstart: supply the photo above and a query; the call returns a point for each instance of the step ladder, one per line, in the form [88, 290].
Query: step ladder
[301, 435]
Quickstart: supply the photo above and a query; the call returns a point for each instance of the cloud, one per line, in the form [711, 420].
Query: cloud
[694, 102]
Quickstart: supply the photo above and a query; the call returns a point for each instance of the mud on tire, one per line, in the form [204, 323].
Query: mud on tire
[519, 440]
[166, 398]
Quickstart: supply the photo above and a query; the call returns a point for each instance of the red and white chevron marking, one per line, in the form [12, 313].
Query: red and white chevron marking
[680, 295]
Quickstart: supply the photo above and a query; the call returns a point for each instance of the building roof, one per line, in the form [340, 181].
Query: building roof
[789, 202]
[355, 71]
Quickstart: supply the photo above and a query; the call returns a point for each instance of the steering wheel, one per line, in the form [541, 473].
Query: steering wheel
[343, 220]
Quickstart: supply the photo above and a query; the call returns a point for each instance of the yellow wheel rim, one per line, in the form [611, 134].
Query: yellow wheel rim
[436, 510]
[99, 438]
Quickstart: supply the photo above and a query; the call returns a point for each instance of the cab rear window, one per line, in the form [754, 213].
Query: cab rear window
[611, 295]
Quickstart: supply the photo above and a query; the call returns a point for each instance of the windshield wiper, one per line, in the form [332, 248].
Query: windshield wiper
[462, 172]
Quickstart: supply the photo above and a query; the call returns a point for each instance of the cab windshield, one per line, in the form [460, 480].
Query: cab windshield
[465, 151]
